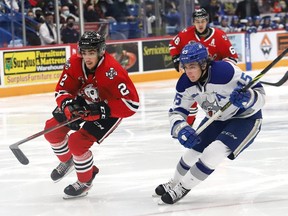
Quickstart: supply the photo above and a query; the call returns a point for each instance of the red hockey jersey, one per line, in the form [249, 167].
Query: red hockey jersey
[217, 43]
[109, 82]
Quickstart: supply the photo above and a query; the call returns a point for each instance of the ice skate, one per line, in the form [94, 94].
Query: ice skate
[79, 189]
[62, 170]
[174, 195]
[163, 188]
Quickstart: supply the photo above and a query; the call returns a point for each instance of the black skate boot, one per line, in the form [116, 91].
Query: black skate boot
[62, 170]
[175, 194]
[79, 189]
[163, 188]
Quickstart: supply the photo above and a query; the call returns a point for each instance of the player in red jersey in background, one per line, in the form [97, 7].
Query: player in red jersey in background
[94, 86]
[216, 41]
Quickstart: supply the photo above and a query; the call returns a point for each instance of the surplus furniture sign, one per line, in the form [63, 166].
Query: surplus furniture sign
[33, 66]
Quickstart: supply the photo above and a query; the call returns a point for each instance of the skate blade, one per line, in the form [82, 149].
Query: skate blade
[155, 195]
[161, 203]
[158, 200]
[67, 197]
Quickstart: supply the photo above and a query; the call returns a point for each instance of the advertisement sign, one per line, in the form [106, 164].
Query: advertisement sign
[33, 66]
[282, 41]
[156, 55]
[263, 46]
[126, 54]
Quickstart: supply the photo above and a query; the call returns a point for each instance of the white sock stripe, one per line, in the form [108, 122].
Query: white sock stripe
[60, 144]
[83, 161]
[61, 151]
[61, 147]
[84, 167]
[132, 105]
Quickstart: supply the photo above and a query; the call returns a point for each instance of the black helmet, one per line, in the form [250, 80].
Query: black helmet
[200, 13]
[92, 40]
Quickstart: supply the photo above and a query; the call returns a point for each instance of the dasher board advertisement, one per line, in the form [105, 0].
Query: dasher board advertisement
[24, 67]
[126, 54]
[156, 55]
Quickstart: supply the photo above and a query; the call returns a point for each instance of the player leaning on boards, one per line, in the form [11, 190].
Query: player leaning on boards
[211, 84]
[218, 45]
[96, 87]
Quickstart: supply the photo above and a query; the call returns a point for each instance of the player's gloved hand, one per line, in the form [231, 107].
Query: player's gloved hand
[72, 109]
[60, 117]
[176, 62]
[186, 134]
[241, 99]
[97, 111]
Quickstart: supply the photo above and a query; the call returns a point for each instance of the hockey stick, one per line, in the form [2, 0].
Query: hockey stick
[279, 83]
[245, 88]
[17, 151]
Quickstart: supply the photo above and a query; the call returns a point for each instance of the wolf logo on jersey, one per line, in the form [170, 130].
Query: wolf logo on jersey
[90, 93]
[210, 105]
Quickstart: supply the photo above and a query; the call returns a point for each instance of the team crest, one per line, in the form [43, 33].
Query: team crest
[111, 73]
[90, 93]
[210, 105]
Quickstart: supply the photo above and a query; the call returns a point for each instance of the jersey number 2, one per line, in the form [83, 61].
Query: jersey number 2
[63, 80]
[123, 89]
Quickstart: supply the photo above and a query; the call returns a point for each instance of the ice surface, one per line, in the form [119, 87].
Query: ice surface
[137, 157]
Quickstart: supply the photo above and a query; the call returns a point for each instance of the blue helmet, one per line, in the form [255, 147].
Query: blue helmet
[194, 52]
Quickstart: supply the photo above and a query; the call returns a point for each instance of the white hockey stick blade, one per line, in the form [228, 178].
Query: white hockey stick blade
[279, 83]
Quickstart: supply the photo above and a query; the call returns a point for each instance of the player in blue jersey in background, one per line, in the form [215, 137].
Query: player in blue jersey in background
[211, 84]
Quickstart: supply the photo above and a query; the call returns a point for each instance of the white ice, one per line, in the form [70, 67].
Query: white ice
[137, 157]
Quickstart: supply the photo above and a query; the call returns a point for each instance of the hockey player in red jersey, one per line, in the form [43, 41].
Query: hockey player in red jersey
[216, 41]
[94, 86]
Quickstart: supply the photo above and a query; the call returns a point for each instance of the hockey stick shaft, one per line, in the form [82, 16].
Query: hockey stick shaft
[279, 83]
[18, 152]
[245, 88]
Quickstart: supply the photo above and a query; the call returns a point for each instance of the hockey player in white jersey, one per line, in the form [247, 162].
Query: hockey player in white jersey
[211, 84]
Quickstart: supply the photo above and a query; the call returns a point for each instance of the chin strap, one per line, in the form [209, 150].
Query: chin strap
[205, 33]
[204, 75]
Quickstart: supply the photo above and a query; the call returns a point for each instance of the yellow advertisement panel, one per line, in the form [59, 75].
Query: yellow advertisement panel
[39, 66]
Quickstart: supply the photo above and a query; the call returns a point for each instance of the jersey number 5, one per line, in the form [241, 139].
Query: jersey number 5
[177, 99]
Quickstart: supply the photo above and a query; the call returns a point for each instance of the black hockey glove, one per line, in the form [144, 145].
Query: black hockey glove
[97, 111]
[176, 62]
[60, 117]
[72, 109]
